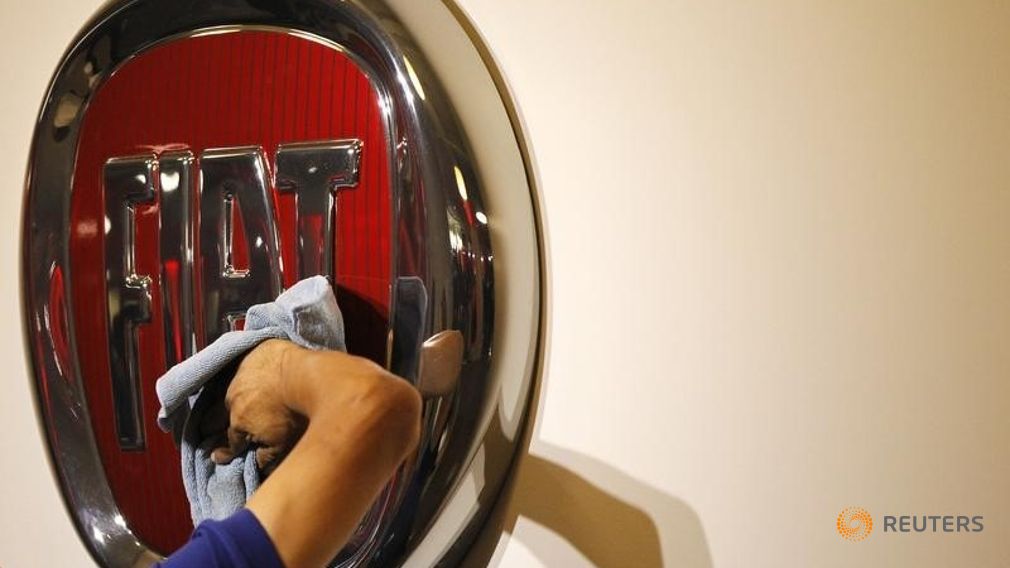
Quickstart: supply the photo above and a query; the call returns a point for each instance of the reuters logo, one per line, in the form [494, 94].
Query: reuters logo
[854, 523]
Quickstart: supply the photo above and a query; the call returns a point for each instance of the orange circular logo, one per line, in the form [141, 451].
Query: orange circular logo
[854, 523]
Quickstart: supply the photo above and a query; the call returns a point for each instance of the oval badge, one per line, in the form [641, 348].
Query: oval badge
[194, 159]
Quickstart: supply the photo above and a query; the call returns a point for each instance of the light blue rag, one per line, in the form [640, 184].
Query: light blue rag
[307, 314]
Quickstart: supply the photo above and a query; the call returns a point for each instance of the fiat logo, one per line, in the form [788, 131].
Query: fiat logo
[192, 161]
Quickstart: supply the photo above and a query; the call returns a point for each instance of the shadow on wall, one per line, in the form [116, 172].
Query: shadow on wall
[612, 519]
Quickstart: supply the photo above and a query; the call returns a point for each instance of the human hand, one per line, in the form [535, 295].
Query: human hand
[258, 410]
[363, 422]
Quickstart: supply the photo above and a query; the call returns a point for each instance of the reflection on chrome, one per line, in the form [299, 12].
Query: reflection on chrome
[128, 182]
[176, 239]
[460, 182]
[314, 171]
[413, 78]
[233, 175]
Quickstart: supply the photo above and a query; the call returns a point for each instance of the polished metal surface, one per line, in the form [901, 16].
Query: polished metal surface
[314, 172]
[177, 177]
[442, 277]
[234, 189]
[440, 360]
[128, 182]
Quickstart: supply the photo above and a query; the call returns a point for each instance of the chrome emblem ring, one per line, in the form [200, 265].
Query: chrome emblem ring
[193, 159]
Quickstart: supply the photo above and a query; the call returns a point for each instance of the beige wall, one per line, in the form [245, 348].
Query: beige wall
[779, 239]
[779, 253]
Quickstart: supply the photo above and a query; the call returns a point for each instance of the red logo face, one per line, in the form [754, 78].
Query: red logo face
[211, 171]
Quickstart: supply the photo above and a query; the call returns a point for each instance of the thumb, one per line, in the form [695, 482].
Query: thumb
[238, 442]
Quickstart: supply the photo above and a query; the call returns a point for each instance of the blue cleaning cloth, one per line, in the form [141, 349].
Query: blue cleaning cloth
[307, 314]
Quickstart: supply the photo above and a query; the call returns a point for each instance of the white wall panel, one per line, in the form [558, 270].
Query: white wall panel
[778, 235]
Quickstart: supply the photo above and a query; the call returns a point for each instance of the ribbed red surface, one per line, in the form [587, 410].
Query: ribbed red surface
[234, 89]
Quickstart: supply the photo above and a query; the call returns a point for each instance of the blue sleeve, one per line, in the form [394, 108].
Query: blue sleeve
[239, 541]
